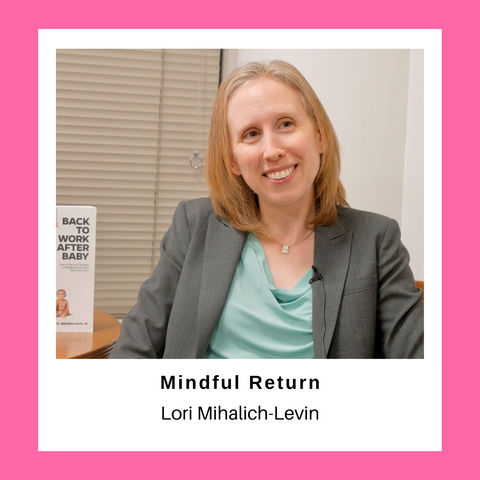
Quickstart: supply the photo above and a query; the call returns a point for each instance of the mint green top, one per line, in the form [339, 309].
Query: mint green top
[260, 320]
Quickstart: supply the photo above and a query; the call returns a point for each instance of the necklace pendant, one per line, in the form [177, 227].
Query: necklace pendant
[285, 249]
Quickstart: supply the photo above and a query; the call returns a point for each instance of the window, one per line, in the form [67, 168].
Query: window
[128, 122]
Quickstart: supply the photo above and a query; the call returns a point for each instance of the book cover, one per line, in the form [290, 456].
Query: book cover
[75, 283]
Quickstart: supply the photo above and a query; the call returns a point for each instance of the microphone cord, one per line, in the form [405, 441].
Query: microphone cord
[318, 276]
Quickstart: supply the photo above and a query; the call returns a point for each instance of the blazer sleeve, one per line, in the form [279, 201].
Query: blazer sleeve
[399, 303]
[144, 328]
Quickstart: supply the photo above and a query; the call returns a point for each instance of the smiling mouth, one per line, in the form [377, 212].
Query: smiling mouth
[281, 174]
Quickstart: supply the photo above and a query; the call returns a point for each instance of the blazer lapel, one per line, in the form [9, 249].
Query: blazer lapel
[223, 249]
[332, 257]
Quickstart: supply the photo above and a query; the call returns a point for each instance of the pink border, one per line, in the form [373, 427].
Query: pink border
[19, 35]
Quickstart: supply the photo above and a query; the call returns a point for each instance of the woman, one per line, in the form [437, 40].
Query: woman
[275, 264]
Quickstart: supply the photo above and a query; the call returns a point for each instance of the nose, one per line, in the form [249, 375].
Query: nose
[272, 149]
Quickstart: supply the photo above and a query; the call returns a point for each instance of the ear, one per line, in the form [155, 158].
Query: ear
[320, 142]
[235, 169]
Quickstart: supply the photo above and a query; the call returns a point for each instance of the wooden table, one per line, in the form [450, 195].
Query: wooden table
[96, 344]
[419, 285]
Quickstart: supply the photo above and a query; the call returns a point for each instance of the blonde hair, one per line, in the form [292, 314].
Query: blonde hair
[231, 197]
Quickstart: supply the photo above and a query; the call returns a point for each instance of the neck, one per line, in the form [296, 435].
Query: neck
[287, 225]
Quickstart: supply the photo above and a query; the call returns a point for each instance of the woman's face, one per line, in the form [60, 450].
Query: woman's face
[275, 145]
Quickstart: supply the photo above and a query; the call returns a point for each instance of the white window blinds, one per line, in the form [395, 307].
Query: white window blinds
[128, 122]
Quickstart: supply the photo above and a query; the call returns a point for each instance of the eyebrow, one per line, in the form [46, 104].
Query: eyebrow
[252, 124]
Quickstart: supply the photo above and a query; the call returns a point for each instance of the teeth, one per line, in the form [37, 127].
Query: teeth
[281, 174]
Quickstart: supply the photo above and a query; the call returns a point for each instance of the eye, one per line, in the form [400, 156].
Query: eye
[251, 134]
[287, 124]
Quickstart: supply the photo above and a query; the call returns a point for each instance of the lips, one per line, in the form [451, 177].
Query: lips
[280, 174]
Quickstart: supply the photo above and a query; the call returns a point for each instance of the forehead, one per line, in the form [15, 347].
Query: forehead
[262, 96]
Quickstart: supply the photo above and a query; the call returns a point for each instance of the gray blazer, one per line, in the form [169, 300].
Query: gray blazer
[365, 305]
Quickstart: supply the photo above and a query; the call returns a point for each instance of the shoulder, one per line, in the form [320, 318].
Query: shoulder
[189, 222]
[352, 218]
[198, 205]
[199, 208]
[367, 223]
[192, 219]
[192, 213]
[369, 226]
